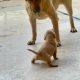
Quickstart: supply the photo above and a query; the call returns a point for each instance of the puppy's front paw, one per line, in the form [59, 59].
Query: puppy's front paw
[58, 44]
[31, 43]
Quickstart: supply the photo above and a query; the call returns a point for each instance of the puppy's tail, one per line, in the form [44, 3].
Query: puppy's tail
[32, 51]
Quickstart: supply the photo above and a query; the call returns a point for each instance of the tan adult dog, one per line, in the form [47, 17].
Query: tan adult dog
[39, 9]
[47, 50]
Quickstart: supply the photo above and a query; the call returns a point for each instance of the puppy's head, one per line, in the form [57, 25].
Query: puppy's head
[49, 35]
[34, 5]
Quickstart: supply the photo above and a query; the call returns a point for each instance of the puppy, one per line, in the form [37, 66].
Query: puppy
[47, 50]
[40, 9]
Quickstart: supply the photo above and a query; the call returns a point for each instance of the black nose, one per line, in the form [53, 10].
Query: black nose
[36, 10]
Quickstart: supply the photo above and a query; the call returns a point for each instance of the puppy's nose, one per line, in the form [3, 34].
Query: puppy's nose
[36, 10]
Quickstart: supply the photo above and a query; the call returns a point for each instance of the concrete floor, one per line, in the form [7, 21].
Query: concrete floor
[15, 31]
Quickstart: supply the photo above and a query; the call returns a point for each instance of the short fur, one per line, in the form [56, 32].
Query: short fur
[47, 50]
[47, 8]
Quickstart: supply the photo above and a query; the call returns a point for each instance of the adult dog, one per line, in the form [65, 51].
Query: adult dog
[47, 50]
[39, 9]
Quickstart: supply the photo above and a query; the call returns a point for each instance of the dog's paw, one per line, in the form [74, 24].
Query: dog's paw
[31, 43]
[58, 44]
[73, 30]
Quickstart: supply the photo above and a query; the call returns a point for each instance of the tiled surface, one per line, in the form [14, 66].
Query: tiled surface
[15, 31]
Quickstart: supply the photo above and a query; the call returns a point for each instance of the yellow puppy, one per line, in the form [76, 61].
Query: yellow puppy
[47, 50]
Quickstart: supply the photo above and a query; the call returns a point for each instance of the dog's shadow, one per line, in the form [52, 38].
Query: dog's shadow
[66, 62]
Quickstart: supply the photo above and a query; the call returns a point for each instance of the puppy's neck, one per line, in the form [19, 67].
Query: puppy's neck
[51, 41]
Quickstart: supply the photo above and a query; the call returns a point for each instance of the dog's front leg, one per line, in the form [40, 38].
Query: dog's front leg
[33, 26]
[53, 16]
[56, 30]
[68, 6]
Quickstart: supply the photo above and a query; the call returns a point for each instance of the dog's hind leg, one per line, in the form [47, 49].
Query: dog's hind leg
[47, 59]
[68, 6]
[50, 64]
[33, 60]
[33, 26]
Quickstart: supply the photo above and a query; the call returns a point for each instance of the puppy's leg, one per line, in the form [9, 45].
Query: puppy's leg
[33, 26]
[47, 59]
[53, 16]
[55, 55]
[68, 6]
[33, 60]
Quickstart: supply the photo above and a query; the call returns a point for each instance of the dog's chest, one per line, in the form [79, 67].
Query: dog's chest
[40, 15]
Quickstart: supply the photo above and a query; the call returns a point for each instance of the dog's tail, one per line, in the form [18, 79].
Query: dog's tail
[32, 51]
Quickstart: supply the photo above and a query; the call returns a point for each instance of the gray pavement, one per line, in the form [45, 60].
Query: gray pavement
[15, 31]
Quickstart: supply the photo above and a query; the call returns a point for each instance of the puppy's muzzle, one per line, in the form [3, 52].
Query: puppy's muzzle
[36, 10]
